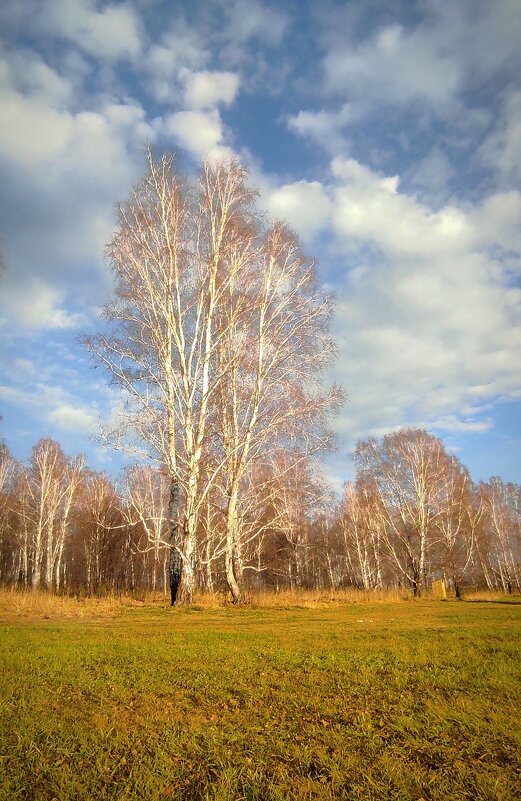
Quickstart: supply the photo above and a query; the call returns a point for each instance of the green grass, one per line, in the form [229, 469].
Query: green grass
[386, 701]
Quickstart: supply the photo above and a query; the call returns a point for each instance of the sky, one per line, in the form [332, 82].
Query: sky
[387, 134]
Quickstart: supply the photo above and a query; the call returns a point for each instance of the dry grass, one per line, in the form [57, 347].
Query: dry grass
[313, 599]
[27, 604]
[485, 595]
[30, 604]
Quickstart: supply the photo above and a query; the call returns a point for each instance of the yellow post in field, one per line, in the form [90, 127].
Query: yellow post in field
[438, 589]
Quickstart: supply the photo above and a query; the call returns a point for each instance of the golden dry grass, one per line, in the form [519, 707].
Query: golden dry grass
[27, 604]
[40, 604]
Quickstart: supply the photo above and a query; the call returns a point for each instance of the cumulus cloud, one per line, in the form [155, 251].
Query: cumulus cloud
[201, 133]
[250, 19]
[304, 205]
[208, 89]
[171, 60]
[502, 149]
[432, 174]
[394, 66]
[71, 418]
[61, 173]
[369, 207]
[323, 127]
[249, 28]
[431, 62]
[111, 33]
[427, 321]
[29, 74]
[36, 305]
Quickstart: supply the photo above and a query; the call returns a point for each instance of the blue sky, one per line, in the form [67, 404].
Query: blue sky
[388, 134]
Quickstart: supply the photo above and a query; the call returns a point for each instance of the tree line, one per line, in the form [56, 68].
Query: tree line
[412, 514]
[218, 340]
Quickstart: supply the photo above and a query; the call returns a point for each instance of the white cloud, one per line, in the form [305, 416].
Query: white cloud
[32, 133]
[23, 368]
[250, 28]
[39, 398]
[62, 173]
[324, 127]
[35, 305]
[28, 73]
[249, 19]
[427, 323]
[110, 34]
[394, 66]
[71, 418]
[370, 207]
[201, 133]
[451, 423]
[208, 89]
[498, 221]
[432, 61]
[502, 149]
[53, 404]
[304, 205]
[432, 174]
[170, 61]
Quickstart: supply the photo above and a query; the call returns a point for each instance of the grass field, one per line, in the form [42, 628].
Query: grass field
[402, 700]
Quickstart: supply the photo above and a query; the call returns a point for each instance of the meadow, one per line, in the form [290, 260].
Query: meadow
[360, 697]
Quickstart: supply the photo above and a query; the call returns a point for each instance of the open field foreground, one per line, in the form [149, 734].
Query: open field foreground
[398, 701]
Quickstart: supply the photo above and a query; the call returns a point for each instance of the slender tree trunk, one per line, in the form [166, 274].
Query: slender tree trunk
[58, 567]
[37, 561]
[174, 562]
[231, 536]
[209, 576]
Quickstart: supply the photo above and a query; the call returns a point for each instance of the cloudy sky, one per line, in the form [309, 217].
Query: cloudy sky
[388, 134]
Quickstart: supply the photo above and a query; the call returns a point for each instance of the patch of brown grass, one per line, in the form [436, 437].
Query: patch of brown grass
[30, 604]
[485, 595]
[313, 599]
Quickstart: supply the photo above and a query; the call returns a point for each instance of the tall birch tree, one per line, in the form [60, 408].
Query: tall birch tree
[216, 336]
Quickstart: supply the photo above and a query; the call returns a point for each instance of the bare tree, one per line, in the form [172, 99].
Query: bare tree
[360, 524]
[46, 492]
[169, 258]
[10, 553]
[406, 470]
[212, 312]
[457, 521]
[275, 348]
[502, 520]
[146, 494]
[102, 550]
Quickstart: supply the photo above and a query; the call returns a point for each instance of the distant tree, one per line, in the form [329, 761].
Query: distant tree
[145, 492]
[9, 552]
[47, 489]
[455, 528]
[502, 530]
[102, 549]
[360, 519]
[406, 470]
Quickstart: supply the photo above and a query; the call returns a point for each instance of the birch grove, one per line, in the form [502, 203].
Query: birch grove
[67, 528]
